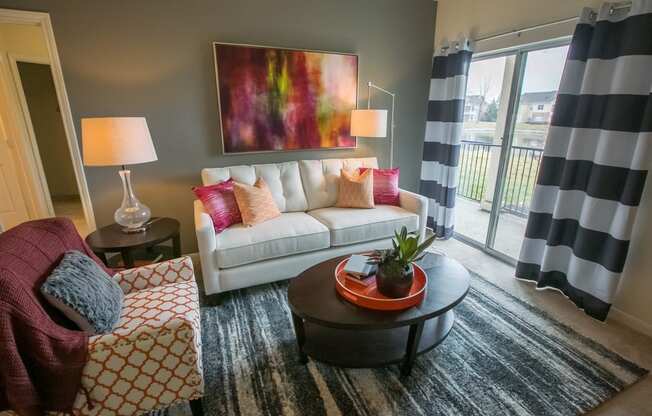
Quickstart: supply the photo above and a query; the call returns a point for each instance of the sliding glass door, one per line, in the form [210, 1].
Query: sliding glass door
[509, 102]
[482, 139]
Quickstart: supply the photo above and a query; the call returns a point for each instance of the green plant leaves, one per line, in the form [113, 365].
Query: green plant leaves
[405, 248]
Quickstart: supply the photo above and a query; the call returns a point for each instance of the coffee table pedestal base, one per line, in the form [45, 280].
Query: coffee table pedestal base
[355, 348]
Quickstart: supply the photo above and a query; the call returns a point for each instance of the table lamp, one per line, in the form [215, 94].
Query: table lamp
[120, 141]
[373, 123]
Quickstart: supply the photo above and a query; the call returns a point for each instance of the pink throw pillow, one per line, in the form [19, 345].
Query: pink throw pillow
[385, 186]
[219, 202]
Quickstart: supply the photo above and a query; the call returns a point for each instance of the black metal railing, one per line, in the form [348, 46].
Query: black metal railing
[475, 162]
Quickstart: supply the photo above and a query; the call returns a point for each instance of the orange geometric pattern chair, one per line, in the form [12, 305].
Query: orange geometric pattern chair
[152, 359]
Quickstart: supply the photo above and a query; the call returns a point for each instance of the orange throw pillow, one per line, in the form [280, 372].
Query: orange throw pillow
[255, 202]
[356, 189]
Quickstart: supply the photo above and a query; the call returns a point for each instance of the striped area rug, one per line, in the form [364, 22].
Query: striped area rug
[502, 357]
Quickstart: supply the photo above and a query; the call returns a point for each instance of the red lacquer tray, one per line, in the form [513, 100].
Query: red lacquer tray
[369, 297]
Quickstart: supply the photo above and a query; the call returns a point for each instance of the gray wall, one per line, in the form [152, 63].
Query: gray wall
[44, 111]
[153, 58]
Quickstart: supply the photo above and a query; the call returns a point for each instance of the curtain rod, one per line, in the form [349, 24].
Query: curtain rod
[526, 29]
[613, 8]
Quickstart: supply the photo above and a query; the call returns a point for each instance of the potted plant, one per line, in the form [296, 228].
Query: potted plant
[395, 271]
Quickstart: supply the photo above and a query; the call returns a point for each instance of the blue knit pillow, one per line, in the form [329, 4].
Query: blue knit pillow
[88, 296]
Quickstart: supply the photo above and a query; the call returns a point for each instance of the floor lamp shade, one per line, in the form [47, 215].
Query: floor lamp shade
[369, 123]
[114, 141]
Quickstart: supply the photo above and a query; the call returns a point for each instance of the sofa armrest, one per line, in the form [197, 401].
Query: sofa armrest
[152, 275]
[207, 244]
[417, 204]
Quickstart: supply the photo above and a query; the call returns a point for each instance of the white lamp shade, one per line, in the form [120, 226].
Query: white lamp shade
[369, 123]
[112, 141]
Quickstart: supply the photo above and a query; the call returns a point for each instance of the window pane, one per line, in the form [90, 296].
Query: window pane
[540, 83]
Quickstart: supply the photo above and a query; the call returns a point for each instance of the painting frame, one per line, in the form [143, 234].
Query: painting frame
[214, 45]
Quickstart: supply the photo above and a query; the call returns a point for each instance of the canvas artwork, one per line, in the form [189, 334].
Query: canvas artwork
[273, 99]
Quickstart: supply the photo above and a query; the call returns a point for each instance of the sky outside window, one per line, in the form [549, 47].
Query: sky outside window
[543, 73]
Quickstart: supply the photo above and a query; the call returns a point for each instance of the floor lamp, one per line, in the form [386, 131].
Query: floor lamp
[373, 123]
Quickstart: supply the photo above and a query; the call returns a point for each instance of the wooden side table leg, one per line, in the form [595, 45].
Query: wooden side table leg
[176, 245]
[102, 256]
[301, 337]
[127, 258]
[196, 407]
[412, 347]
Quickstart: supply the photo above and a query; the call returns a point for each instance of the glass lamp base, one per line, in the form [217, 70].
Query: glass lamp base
[132, 214]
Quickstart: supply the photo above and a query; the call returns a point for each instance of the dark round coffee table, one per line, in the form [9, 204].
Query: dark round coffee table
[332, 330]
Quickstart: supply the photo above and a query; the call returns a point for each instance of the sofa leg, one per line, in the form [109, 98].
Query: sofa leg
[196, 407]
[214, 300]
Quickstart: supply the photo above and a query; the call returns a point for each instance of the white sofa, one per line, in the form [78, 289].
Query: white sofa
[309, 230]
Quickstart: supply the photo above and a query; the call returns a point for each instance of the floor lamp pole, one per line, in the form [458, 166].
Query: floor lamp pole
[371, 85]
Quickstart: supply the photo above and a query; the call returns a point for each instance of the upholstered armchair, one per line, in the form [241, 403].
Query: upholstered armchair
[151, 360]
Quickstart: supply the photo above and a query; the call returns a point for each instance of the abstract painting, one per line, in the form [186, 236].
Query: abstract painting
[273, 99]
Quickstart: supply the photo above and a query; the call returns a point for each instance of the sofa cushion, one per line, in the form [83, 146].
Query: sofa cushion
[353, 225]
[291, 233]
[321, 178]
[283, 180]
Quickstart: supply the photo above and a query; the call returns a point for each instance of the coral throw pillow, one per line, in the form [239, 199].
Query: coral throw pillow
[255, 202]
[219, 201]
[356, 190]
[386, 190]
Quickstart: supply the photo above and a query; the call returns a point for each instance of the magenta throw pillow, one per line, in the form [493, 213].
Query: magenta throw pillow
[219, 202]
[385, 186]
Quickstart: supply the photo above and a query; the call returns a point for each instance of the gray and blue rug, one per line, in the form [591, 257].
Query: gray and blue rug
[502, 357]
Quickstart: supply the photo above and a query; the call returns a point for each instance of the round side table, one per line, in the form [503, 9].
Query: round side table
[111, 239]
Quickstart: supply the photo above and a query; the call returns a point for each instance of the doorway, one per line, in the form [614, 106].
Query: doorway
[41, 173]
[45, 116]
[508, 106]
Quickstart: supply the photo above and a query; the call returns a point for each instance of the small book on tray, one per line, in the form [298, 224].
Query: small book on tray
[366, 282]
[360, 267]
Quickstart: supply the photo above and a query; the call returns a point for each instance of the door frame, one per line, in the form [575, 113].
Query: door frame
[38, 172]
[31, 160]
[520, 54]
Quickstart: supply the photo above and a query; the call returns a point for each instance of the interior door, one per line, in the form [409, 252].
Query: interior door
[13, 207]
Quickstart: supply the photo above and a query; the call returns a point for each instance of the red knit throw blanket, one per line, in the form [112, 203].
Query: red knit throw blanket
[43, 354]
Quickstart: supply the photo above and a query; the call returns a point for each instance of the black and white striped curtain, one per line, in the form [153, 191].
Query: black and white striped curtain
[595, 161]
[441, 148]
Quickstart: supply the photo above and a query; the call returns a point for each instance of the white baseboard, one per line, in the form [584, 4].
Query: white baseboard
[633, 322]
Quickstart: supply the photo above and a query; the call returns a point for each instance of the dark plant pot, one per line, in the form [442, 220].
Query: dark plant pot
[393, 282]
